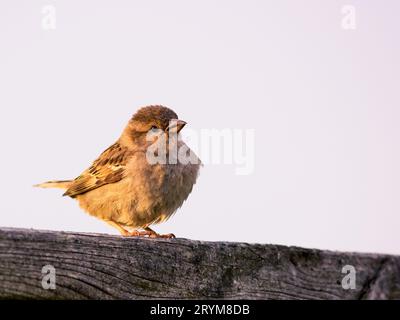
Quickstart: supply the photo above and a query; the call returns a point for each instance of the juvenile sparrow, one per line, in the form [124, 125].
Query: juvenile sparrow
[139, 180]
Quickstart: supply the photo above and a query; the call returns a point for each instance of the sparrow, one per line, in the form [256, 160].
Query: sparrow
[139, 180]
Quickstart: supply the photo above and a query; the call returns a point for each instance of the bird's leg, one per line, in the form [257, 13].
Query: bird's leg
[135, 233]
[154, 234]
[126, 233]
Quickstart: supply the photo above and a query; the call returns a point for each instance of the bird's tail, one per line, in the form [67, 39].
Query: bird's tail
[60, 184]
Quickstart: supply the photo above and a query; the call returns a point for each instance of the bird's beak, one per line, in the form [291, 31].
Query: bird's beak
[176, 125]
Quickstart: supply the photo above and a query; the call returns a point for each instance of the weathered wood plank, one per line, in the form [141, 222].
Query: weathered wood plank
[97, 266]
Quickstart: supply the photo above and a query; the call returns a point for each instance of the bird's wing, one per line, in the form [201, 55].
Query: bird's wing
[108, 168]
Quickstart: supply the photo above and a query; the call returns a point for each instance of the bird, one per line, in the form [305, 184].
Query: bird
[139, 180]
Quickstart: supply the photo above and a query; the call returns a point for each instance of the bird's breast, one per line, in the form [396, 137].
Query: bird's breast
[160, 189]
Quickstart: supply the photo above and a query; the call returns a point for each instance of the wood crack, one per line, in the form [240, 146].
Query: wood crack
[369, 284]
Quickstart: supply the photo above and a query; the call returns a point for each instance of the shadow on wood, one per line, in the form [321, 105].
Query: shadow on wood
[97, 266]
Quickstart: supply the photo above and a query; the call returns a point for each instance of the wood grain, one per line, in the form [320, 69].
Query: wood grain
[97, 266]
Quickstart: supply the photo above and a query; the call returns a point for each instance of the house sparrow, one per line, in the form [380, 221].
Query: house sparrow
[129, 189]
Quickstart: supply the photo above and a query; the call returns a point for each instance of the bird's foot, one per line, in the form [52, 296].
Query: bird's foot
[148, 234]
[165, 236]
[157, 235]
[136, 233]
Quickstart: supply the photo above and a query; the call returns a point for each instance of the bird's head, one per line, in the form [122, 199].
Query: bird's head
[153, 121]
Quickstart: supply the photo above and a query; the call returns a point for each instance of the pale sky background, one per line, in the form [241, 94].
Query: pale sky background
[324, 103]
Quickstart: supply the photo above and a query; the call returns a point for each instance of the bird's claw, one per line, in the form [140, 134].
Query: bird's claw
[137, 233]
[149, 234]
[165, 236]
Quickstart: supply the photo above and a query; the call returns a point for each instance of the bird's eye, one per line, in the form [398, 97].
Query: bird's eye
[153, 128]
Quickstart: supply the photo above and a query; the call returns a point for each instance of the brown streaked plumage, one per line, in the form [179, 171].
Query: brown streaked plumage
[108, 168]
[122, 188]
